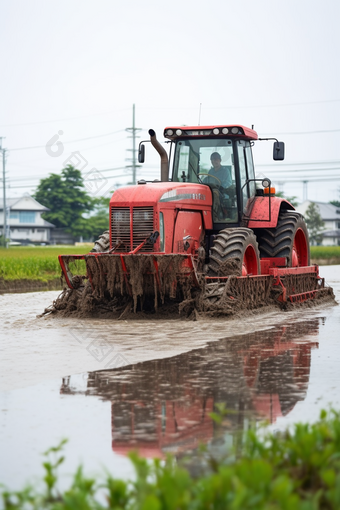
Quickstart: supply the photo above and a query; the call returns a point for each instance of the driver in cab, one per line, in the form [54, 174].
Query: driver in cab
[220, 176]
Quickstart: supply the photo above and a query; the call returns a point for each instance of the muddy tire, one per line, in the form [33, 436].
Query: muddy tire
[289, 239]
[234, 252]
[102, 244]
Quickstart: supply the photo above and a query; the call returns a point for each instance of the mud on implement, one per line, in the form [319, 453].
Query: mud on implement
[214, 239]
[123, 282]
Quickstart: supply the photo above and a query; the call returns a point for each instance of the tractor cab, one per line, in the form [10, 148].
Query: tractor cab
[221, 158]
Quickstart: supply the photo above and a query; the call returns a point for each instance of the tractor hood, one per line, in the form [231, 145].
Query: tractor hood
[193, 194]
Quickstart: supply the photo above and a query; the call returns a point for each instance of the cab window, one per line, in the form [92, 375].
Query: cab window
[211, 162]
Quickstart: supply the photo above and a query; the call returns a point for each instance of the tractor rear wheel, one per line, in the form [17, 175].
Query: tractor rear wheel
[289, 239]
[102, 244]
[234, 252]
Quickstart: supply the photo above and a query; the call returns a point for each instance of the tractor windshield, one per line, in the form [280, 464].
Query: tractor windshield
[209, 161]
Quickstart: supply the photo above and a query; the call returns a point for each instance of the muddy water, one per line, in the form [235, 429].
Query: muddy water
[111, 386]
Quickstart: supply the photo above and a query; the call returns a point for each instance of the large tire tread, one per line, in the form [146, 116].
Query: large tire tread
[279, 241]
[228, 250]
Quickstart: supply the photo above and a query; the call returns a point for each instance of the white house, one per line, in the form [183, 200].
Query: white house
[24, 220]
[330, 214]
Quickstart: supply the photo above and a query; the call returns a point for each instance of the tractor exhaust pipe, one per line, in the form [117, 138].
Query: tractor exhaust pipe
[163, 154]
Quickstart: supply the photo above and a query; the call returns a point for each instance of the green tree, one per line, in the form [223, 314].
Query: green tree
[315, 223]
[335, 202]
[293, 200]
[98, 222]
[64, 194]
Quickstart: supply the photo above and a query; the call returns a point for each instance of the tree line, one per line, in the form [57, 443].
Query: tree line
[71, 207]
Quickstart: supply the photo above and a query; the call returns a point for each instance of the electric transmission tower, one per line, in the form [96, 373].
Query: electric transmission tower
[133, 130]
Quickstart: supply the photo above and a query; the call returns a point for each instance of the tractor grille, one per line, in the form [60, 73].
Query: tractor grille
[120, 227]
[142, 224]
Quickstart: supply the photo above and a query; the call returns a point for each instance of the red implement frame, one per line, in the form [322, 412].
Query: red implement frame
[272, 266]
[188, 266]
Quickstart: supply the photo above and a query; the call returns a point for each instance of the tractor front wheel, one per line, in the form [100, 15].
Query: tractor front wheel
[289, 239]
[234, 252]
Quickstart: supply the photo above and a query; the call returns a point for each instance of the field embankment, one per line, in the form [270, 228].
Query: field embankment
[325, 255]
[33, 268]
[37, 268]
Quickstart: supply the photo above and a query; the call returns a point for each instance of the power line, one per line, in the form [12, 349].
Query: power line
[233, 107]
[70, 141]
[304, 170]
[229, 107]
[321, 179]
[303, 132]
[277, 175]
[39, 177]
[64, 120]
[337, 162]
[87, 180]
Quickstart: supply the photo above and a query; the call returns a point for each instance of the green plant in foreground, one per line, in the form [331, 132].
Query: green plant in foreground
[293, 470]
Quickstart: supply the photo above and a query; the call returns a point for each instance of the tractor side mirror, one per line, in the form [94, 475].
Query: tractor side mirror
[141, 153]
[279, 151]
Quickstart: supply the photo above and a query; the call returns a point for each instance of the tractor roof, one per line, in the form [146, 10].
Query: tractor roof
[224, 130]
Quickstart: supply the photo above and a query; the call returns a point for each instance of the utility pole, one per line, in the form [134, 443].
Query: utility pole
[4, 193]
[305, 190]
[133, 130]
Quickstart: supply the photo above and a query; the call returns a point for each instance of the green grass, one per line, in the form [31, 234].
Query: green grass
[34, 263]
[41, 262]
[294, 470]
[325, 252]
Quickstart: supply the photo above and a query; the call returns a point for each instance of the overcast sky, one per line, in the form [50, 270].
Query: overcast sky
[78, 66]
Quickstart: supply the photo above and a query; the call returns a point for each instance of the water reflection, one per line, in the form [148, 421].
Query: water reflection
[164, 405]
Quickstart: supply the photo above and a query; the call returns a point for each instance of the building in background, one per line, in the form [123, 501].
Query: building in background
[25, 224]
[330, 215]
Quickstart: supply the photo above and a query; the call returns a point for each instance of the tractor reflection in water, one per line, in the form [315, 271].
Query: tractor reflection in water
[163, 405]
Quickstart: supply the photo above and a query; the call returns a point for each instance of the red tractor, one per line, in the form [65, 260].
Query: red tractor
[209, 220]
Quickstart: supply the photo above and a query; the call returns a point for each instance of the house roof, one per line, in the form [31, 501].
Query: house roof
[328, 212]
[331, 233]
[24, 203]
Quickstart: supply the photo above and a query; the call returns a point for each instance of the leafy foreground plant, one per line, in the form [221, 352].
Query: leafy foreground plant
[292, 470]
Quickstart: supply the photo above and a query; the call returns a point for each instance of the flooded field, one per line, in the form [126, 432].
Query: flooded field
[113, 386]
